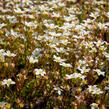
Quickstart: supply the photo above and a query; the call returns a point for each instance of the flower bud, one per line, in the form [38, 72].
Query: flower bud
[6, 64]
[59, 98]
[12, 65]
[103, 107]
[79, 90]
[34, 42]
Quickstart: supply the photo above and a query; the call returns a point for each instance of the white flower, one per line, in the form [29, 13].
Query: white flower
[75, 75]
[2, 54]
[69, 76]
[9, 54]
[88, 21]
[37, 52]
[77, 37]
[65, 42]
[52, 45]
[61, 4]
[94, 50]
[102, 48]
[61, 50]
[58, 89]
[94, 90]
[2, 104]
[7, 82]
[99, 43]
[72, 0]
[106, 55]
[55, 14]
[32, 59]
[107, 14]
[94, 106]
[88, 44]
[99, 72]
[42, 8]
[31, 16]
[97, 91]
[39, 72]
[82, 62]
[18, 10]
[26, 1]
[65, 64]
[41, 37]
[94, 15]
[13, 33]
[2, 25]
[58, 59]
[84, 69]
[102, 26]
[13, 20]
[79, 28]
[68, 19]
[31, 24]
[107, 88]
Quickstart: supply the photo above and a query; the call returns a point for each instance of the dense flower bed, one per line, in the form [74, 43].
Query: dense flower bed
[54, 54]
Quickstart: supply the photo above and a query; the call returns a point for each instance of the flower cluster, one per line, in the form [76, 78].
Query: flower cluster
[7, 82]
[94, 90]
[54, 54]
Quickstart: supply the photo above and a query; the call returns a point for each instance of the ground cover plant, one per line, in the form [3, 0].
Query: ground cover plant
[54, 54]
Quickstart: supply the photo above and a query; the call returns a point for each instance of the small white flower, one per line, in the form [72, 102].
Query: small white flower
[37, 52]
[39, 72]
[82, 62]
[65, 64]
[13, 33]
[2, 54]
[94, 15]
[52, 45]
[102, 26]
[97, 91]
[88, 21]
[99, 43]
[55, 14]
[106, 55]
[94, 50]
[58, 59]
[79, 28]
[58, 89]
[2, 104]
[65, 42]
[84, 70]
[32, 59]
[88, 44]
[107, 88]
[7, 82]
[94, 90]
[69, 76]
[9, 54]
[99, 72]
[75, 75]
[94, 106]
[18, 10]
[31, 24]
[60, 50]
[2, 25]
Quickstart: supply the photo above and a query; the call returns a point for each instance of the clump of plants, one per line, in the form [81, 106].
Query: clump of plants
[54, 54]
